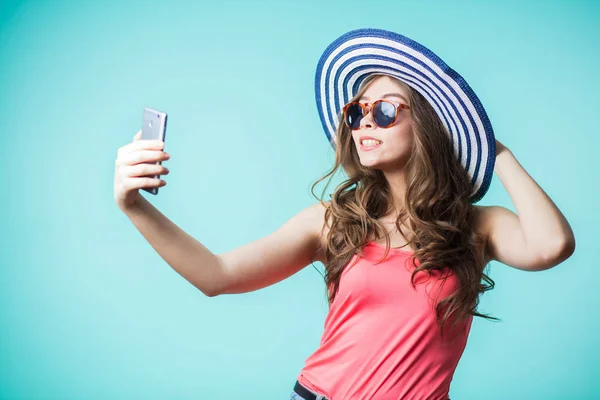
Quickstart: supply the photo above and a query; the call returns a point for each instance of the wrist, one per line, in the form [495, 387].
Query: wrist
[501, 153]
[135, 207]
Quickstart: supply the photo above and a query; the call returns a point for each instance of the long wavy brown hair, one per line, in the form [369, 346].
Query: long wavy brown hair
[438, 212]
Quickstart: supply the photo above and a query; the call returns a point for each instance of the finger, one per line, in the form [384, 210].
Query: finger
[138, 135]
[148, 144]
[141, 156]
[139, 183]
[143, 144]
[143, 169]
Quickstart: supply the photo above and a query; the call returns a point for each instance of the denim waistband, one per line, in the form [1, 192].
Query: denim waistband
[301, 392]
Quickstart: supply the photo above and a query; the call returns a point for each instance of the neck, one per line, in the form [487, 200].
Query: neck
[397, 184]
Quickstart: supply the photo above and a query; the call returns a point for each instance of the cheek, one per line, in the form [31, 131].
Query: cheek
[398, 144]
[401, 137]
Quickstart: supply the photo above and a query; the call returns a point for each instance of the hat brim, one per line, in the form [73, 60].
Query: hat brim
[357, 54]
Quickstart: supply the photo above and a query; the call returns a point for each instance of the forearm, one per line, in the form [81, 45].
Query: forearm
[543, 225]
[187, 256]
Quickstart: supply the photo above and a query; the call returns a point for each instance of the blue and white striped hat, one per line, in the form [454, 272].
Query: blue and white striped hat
[355, 55]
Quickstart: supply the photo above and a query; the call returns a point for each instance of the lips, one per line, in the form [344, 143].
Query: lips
[360, 140]
[368, 148]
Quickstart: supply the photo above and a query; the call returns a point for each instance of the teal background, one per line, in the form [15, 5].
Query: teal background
[90, 311]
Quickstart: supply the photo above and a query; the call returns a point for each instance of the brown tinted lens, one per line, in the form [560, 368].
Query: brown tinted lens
[353, 115]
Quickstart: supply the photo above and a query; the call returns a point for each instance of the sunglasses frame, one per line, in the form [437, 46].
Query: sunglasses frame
[367, 107]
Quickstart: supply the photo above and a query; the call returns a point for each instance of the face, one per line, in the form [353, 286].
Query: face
[395, 141]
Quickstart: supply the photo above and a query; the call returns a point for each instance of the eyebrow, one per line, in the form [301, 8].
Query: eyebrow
[386, 95]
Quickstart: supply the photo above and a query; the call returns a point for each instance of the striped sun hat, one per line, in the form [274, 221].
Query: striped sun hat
[355, 55]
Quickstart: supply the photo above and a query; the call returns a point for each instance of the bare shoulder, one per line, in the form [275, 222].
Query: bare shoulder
[482, 224]
[480, 219]
[316, 213]
[483, 217]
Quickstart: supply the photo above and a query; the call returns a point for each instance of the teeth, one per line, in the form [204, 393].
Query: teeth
[370, 142]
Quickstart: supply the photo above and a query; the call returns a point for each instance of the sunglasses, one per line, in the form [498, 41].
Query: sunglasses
[385, 113]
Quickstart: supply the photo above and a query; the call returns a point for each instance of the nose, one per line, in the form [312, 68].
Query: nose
[367, 120]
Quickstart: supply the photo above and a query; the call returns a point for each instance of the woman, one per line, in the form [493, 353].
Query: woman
[403, 244]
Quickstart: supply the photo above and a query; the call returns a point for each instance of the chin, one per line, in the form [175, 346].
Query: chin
[372, 164]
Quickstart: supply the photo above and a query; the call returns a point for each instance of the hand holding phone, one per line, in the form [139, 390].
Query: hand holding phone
[139, 163]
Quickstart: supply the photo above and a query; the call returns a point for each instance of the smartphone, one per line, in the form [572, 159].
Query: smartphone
[154, 127]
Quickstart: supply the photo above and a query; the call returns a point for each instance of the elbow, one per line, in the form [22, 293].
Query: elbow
[569, 247]
[207, 290]
[219, 282]
[565, 249]
[559, 252]
[210, 292]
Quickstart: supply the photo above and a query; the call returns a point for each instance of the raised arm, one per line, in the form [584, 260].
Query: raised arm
[538, 237]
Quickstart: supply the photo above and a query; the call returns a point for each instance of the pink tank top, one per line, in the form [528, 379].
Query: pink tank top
[381, 341]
